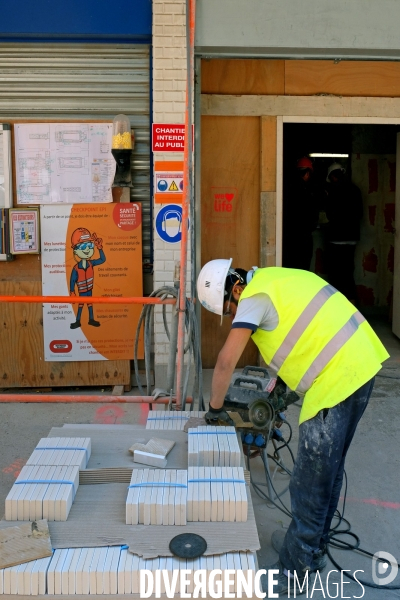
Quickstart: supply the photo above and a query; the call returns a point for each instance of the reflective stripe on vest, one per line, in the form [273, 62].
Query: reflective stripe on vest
[327, 353]
[85, 286]
[301, 325]
[85, 278]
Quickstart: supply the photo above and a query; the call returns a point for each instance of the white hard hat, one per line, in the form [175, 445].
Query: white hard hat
[335, 167]
[211, 285]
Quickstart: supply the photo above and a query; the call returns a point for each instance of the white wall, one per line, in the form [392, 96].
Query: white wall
[366, 28]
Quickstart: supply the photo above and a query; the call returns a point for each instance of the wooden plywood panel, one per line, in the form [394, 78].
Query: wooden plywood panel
[230, 210]
[346, 78]
[242, 76]
[21, 361]
[22, 268]
[21, 358]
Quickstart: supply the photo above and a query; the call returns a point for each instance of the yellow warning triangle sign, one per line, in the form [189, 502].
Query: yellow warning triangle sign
[173, 187]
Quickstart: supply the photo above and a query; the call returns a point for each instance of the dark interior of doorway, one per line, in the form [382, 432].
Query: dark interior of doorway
[371, 166]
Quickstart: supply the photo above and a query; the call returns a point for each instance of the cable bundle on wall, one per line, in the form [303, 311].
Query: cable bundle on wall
[192, 347]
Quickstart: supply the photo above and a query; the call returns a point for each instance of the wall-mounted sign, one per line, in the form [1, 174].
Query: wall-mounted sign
[169, 223]
[168, 181]
[168, 138]
[63, 163]
[24, 231]
[91, 250]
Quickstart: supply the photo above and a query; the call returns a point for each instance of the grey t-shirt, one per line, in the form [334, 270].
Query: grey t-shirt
[255, 312]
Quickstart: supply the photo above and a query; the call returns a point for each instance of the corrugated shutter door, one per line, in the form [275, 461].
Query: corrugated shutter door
[84, 82]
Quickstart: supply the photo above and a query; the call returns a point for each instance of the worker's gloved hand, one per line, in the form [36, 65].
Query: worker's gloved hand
[218, 416]
[72, 294]
[98, 242]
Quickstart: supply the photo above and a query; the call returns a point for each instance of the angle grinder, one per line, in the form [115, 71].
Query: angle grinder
[257, 400]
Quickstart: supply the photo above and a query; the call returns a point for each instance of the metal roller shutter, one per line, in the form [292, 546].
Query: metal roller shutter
[81, 82]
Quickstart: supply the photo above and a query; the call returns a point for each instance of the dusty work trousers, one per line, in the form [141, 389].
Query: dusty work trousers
[317, 479]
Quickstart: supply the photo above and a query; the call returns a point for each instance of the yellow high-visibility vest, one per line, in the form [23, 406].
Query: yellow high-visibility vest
[322, 347]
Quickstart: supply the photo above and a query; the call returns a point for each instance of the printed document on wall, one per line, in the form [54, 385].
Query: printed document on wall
[63, 163]
[91, 251]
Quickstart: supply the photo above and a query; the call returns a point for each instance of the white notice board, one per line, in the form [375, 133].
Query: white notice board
[5, 166]
[63, 163]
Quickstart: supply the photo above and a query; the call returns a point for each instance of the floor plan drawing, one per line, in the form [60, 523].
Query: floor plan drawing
[64, 163]
[33, 183]
[74, 164]
[68, 136]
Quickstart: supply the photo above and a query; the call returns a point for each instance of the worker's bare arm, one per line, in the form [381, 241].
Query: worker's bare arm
[226, 363]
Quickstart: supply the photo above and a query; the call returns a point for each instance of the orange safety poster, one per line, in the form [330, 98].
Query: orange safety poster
[91, 250]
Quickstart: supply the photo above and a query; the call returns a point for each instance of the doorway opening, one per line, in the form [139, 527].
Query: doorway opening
[366, 154]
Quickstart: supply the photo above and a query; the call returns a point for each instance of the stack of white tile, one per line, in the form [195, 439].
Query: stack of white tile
[84, 571]
[130, 566]
[42, 492]
[129, 569]
[28, 579]
[216, 494]
[211, 446]
[171, 420]
[61, 452]
[111, 570]
[157, 497]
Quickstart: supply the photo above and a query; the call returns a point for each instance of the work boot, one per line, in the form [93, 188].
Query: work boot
[94, 323]
[75, 325]
[320, 558]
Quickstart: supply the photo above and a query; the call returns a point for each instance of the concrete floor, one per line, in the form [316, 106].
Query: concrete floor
[373, 468]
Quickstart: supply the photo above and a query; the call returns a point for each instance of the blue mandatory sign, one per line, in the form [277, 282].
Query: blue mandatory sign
[162, 185]
[169, 223]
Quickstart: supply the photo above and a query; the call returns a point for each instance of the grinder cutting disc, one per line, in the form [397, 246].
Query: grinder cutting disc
[261, 414]
[188, 545]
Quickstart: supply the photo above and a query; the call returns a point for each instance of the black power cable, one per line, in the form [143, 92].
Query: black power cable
[333, 540]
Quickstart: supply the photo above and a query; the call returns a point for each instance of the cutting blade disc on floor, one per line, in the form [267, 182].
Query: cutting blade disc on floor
[188, 545]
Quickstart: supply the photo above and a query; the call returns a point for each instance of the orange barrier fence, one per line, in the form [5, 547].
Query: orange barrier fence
[86, 300]
[49, 398]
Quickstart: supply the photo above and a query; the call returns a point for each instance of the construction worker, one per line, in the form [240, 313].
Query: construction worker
[344, 209]
[83, 244]
[322, 348]
[300, 215]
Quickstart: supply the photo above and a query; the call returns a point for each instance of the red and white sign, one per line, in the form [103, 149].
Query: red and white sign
[168, 138]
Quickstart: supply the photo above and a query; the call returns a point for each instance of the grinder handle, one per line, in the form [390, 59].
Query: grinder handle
[248, 379]
[262, 370]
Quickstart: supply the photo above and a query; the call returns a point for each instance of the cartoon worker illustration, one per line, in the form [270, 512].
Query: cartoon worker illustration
[83, 244]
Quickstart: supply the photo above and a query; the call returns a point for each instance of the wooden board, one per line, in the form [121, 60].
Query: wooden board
[374, 110]
[268, 154]
[345, 78]
[230, 164]
[21, 358]
[268, 191]
[268, 229]
[242, 76]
